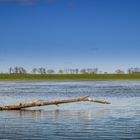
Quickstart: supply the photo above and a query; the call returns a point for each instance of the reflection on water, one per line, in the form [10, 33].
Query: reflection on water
[84, 120]
[56, 114]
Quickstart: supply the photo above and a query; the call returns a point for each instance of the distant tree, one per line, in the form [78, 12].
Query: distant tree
[83, 71]
[67, 71]
[129, 71]
[42, 70]
[95, 70]
[11, 70]
[134, 70]
[74, 71]
[18, 70]
[77, 71]
[34, 70]
[89, 70]
[119, 71]
[71, 71]
[105, 72]
[50, 71]
[60, 71]
[22, 70]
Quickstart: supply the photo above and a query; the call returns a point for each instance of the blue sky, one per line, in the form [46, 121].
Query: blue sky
[70, 34]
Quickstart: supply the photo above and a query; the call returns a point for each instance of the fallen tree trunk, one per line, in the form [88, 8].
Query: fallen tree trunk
[51, 102]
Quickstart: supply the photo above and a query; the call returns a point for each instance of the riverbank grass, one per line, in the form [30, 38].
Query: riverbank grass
[69, 76]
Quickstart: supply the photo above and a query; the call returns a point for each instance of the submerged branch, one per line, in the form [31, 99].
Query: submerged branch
[51, 102]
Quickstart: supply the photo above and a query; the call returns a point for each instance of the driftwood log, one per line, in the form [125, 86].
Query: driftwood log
[51, 102]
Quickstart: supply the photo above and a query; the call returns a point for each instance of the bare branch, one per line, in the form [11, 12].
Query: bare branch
[51, 102]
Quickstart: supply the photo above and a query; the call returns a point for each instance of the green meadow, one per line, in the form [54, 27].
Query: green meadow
[69, 76]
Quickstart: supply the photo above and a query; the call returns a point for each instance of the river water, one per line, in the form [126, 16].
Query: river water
[84, 121]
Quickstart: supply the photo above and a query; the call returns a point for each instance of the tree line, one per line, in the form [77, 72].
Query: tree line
[43, 70]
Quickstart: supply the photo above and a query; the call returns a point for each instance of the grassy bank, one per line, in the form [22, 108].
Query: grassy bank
[69, 76]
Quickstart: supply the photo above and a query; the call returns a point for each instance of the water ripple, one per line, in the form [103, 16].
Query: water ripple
[120, 120]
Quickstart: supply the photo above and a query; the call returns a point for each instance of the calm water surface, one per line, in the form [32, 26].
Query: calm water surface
[83, 121]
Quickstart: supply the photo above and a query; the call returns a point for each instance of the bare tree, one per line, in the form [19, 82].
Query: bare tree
[133, 70]
[95, 70]
[11, 70]
[67, 71]
[17, 70]
[34, 70]
[71, 71]
[77, 71]
[119, 71]
[83, 71]
[42, 70]
[89, 70]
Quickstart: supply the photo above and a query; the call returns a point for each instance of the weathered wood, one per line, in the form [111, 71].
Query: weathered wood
[51, 102]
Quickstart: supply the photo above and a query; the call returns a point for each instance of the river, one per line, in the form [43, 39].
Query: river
[83, 120]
